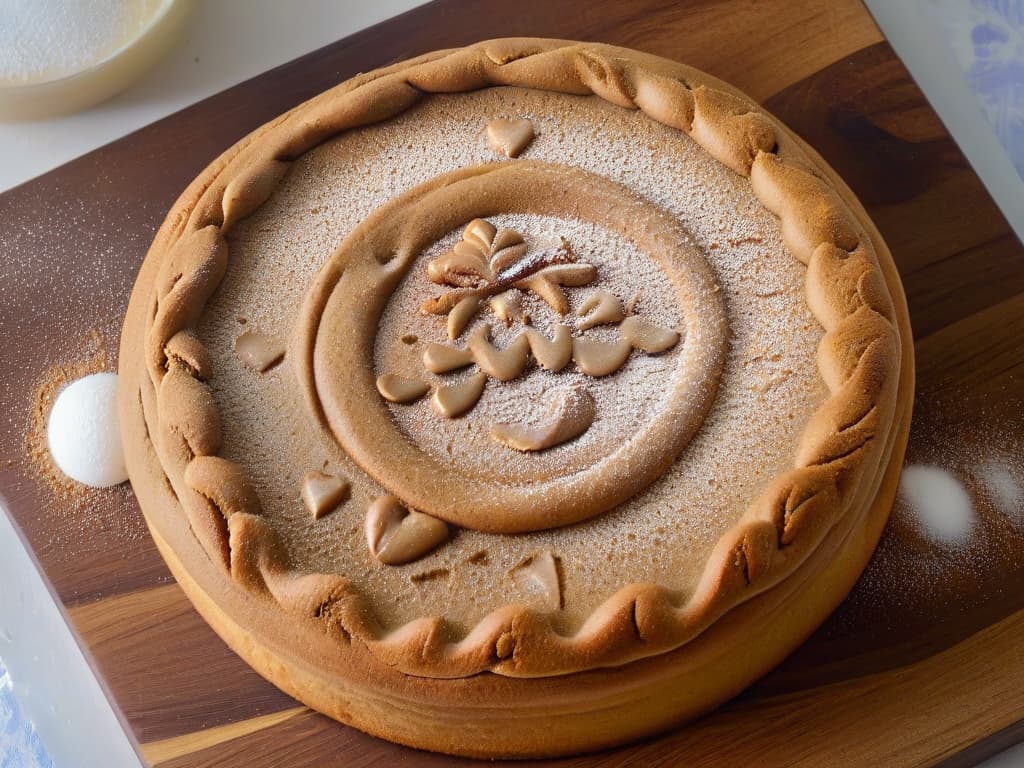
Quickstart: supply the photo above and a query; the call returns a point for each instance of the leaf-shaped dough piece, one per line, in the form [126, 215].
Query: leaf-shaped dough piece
[504, 239]
[508, 306]
[549, 292]
[551, 354]
[323, 493]
[481, 232]
[501, 364]
[259, 351]
[509, 137]
[461, 314]
[599, 358]
[546, 283]
[600, 308]
[644, 335]
[401, 389]
[570, 415]
[506, 257]
[437, 358]
[456, 399]
[465, 266]
[573, 274]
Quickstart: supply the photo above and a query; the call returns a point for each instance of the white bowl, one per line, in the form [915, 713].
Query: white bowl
[102, 80]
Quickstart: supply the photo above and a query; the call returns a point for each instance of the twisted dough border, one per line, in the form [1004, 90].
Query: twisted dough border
[858, 358]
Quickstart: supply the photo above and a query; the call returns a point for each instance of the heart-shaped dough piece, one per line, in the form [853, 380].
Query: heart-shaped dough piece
[397, 535]
[509, 137]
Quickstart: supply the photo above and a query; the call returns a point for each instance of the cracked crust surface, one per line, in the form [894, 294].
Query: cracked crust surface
[171, 415]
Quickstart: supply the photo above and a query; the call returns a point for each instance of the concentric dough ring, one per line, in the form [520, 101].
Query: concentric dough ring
[335, 336]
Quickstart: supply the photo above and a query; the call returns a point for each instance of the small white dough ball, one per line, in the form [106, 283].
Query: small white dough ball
[83, 433]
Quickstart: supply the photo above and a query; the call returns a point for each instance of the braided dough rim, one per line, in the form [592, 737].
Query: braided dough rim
[858, 358]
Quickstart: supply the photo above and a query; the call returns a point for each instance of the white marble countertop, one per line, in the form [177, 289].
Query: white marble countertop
[225, 42]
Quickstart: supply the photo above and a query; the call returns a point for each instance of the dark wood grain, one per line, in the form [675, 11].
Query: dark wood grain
[889, 679]
[869, 120]
[159, 705]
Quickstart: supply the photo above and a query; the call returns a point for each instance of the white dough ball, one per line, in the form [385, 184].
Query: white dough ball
[83, 433]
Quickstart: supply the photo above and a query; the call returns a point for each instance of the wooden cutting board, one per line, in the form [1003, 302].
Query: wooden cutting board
[923, 664]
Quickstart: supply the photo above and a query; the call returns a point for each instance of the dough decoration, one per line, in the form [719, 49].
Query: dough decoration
[570, 415]
[650, 338]
[501, 364]
[482, 254]
[437, 358]
[538, 575]
[401, 389]
[509, 137]
[397, 535]
[456, 399]
[323, 493]
[508, 307]
[600, 358]
[548, 283]
[259, 351]
[551, 354]
[461, 314]
[488, 262]
[497, 263]
[600, 308]
[349, 331]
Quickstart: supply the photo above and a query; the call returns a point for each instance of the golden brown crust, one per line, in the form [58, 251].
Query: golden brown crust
[588, 711]
[845, 441]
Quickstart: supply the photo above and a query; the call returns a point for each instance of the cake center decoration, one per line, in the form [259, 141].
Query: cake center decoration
[497, 264]
[512, 346]
[488, 262]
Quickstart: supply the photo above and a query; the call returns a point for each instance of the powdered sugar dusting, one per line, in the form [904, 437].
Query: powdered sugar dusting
[940, 504]
[1004, 486]
[769, 385]
[919, 581]
[626, 400]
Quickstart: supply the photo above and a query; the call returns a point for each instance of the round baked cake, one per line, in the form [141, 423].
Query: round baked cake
[521, 399]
